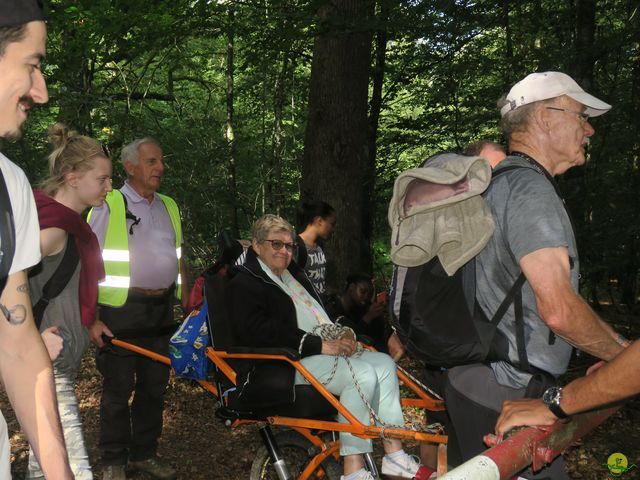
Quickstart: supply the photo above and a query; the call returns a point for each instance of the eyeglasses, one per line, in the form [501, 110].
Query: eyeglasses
[278, 244]
[105, 150]
[584, 117]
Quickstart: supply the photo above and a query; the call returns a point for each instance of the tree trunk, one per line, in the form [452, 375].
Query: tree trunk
[585, 40]
[274, 194]
[335, 153]
[508, 47]
[229, 135]
[369, 180]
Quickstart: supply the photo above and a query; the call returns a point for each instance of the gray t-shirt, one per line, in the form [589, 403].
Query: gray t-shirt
[64, 312]
[529, 216]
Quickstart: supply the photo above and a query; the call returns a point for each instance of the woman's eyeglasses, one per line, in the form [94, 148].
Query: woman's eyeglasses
[278, 244]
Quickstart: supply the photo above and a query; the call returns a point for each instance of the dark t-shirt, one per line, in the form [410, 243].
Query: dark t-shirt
[316, 267]
[529, 216]
[376, 329]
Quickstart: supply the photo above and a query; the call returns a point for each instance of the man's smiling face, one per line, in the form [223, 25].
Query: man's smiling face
[21, 82]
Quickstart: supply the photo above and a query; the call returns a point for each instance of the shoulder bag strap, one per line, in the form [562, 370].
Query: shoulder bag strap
[7, 233]
[58, 281]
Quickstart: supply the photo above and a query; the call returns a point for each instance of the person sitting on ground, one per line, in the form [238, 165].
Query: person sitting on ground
[356, 308]
[316, 221]
[274, 305]
[79, 177]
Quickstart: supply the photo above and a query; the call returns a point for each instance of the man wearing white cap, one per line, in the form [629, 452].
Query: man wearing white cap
[25, 367]
[545, 117]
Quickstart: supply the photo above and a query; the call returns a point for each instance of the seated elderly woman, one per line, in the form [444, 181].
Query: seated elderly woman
[273, 304]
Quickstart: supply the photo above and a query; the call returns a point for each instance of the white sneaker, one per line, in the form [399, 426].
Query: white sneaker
[405, 466]
[364, 475]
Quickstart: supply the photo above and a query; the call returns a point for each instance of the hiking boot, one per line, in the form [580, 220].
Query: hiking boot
[406, 466]
[155, 468]
[364, 475]
[113, 472]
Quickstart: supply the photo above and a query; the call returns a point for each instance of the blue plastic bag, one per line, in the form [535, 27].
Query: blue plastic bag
[188, 344]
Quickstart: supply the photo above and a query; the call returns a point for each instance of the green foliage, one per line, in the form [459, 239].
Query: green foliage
[121, 69]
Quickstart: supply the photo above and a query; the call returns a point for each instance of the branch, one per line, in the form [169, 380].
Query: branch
[143, 96]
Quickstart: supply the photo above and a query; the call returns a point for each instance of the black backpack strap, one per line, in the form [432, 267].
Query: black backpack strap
[499, 171]
[58, 281]
[520, 341]
[7, 233]
[519, 314]
[513, 293]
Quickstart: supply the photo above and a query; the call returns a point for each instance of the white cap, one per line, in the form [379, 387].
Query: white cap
[545, 85]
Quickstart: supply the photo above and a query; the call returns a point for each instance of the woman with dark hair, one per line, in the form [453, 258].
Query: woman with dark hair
[273, 305]
[316, 221]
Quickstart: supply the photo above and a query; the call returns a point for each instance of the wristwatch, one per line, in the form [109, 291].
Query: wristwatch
[551, 398]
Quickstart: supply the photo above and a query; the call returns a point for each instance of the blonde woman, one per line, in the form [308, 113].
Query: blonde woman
[79, 178]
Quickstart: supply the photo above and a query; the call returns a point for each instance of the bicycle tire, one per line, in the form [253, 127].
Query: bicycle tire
[297, 451]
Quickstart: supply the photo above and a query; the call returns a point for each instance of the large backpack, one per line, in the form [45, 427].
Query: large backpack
[437, 318]
[7, 233]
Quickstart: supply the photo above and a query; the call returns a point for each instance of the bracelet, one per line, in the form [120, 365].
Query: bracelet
[621, 340]
[302, 343]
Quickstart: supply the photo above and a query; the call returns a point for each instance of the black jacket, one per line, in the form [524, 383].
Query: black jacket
[264, 316]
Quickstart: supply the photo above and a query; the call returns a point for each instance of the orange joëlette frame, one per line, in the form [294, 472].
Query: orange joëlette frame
[354, 426]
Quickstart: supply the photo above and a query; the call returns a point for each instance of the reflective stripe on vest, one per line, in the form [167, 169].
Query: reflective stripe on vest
[113, 291]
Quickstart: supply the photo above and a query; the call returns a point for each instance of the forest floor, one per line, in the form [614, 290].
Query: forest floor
[201, 447]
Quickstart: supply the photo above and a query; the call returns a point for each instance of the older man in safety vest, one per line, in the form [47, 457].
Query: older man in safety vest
[141, 236]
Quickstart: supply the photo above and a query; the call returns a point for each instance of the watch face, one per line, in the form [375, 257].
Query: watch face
[551, 395]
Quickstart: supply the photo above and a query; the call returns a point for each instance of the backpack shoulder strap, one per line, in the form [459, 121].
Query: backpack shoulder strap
[514, 296]
[58, 281]
[7, 233]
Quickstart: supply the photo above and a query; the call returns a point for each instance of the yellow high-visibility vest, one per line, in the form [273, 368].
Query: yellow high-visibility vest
[114, 289]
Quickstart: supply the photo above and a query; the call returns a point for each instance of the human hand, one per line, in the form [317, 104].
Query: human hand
[376, 309]
[523, 412]
[595, 367]
[53, 341]
[96, 330]
[343, 346]
[349, 334]
[395, 346]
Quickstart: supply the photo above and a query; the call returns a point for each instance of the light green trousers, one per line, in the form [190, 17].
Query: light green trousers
[375, 373]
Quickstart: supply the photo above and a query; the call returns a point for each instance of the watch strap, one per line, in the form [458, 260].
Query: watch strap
[556, 409]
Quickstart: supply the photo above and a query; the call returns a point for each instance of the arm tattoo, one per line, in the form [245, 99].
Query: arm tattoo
[16, 315]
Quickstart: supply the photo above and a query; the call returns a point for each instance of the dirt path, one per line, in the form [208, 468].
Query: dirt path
[201, 447]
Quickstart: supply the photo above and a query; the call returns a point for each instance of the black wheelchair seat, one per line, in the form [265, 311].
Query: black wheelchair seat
[309, 403]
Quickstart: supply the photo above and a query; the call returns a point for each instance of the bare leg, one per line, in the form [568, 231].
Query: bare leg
[429, 455]
[352, 463]
[391, 445]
